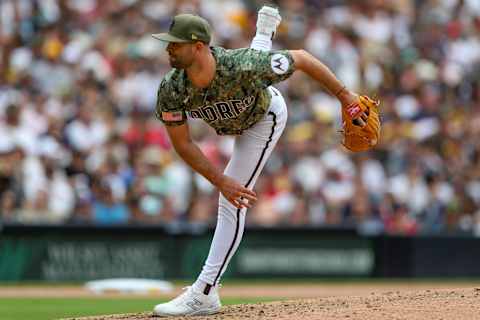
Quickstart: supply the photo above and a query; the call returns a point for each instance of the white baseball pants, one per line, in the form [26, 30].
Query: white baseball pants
[250, 153]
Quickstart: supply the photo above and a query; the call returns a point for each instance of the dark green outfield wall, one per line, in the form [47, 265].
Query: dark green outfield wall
[86, 253]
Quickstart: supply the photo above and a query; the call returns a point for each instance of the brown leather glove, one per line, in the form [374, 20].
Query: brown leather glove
[361, 124]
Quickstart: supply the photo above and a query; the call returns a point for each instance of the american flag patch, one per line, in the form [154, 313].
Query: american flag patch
[172, 116]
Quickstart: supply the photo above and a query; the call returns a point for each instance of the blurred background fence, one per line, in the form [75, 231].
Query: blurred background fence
[72, 253]
[80, 147]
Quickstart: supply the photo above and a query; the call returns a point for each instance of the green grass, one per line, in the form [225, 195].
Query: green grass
[55, 308]
[269, 281]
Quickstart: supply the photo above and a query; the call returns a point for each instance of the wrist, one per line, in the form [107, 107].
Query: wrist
[338, 92]
[217, 179]
[345, 97]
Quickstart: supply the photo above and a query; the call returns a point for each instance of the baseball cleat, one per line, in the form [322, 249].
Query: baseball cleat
[190, 303]
[268, 20]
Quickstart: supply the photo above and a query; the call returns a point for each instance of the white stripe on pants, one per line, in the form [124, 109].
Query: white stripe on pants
[251, 151]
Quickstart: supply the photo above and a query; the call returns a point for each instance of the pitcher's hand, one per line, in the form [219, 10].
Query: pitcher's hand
[235, 193]
[348, 100]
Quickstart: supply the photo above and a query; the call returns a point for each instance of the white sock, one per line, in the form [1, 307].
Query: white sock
[199, 286]
[261, 42]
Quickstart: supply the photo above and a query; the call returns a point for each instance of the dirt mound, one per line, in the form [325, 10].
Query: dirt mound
[432, 304]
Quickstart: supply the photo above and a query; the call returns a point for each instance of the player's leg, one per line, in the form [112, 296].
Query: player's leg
[251, 151]
[250, 154]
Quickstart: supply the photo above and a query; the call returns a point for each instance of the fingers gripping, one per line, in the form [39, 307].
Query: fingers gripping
[244, 198]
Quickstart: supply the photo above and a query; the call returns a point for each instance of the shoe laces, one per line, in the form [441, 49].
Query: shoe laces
[183, 296]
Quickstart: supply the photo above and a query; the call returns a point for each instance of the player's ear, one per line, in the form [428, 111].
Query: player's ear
[199, 45]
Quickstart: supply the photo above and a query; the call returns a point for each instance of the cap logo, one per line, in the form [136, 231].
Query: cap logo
[194, 37]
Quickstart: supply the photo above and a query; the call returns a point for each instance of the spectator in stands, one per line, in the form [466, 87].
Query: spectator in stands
[106, 209]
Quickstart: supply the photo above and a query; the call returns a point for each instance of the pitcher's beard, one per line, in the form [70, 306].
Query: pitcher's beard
[178, 64]
[174, 64]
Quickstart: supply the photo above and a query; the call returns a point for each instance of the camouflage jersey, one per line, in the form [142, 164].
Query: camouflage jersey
[237, 97]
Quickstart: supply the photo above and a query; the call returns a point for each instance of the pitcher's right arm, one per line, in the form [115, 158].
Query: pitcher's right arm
[194, 157]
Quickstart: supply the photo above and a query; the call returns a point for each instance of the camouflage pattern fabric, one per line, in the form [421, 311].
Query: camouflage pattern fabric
[236, 99]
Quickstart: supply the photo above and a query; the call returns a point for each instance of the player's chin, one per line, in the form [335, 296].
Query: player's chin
[176, 64]
[179, 63]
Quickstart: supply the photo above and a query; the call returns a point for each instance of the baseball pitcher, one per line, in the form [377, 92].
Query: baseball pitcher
[232, 91]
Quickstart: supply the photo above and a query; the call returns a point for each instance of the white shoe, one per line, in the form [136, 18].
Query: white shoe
[268, 19]
[190, 303]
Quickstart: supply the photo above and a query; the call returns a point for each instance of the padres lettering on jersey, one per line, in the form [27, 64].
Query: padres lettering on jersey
[223, 110]
[237, 97]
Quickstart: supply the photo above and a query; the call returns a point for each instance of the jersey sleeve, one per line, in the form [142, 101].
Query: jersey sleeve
[168, 109]
[267, 67]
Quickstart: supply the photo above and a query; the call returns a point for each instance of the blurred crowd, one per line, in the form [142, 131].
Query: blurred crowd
[79, 143]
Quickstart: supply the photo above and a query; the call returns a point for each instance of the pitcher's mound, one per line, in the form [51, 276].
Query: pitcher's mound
[462, 304]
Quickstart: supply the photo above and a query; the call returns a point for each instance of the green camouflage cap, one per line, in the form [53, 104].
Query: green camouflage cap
[186, 28]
